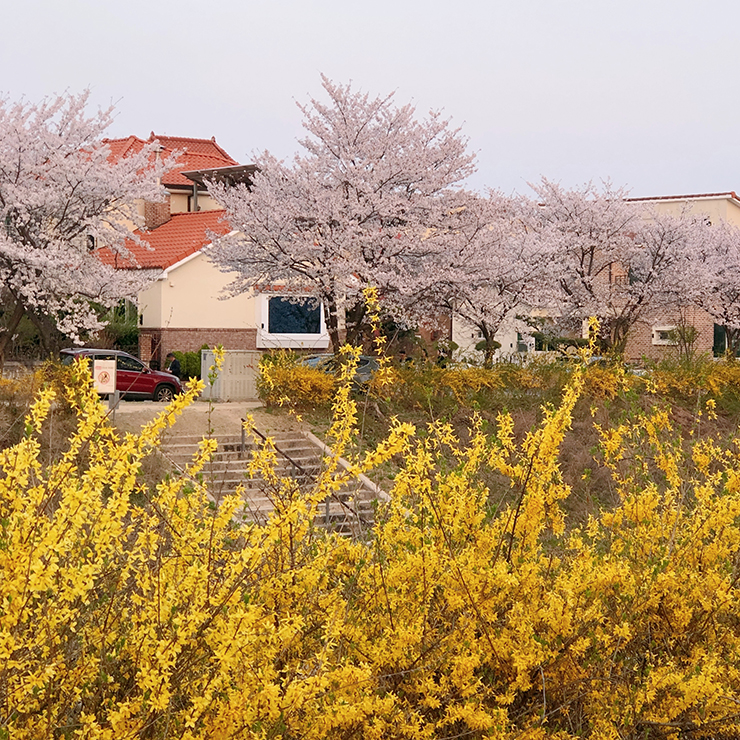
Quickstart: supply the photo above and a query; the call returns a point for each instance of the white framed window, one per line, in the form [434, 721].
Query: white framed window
[291, 322]
[664, 335]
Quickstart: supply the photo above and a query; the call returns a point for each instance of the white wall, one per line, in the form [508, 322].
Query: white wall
[467, 336]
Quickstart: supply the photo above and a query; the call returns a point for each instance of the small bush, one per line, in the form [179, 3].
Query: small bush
[283, 381]
[190, 363]
[444, 391]
[17, 395]
[603, 383]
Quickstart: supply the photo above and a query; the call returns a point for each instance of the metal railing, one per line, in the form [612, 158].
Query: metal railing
[296, 465]
[309, 477]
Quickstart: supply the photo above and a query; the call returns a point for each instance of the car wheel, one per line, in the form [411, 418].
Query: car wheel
[164, 393]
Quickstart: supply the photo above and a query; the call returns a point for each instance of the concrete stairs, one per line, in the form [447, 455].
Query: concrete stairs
[349, 511]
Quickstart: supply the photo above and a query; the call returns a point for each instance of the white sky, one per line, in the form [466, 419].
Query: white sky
[644, 92]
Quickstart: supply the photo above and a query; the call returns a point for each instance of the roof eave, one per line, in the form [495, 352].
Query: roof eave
[190, 257]
[729, 195]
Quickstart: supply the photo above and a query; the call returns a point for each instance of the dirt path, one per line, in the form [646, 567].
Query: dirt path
[225, 418]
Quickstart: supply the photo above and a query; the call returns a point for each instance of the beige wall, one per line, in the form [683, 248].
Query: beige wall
[466, 336]
[190, 296]
[716, 209]
[179, 202]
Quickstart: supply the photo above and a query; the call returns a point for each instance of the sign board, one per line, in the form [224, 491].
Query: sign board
[104, 376]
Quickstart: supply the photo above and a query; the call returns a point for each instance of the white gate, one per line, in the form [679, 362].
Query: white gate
[237, 380]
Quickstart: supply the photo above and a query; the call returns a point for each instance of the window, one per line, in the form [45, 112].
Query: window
[128, 363]
[294, 316]
[719, 345]
[664, 335]
[291, 321]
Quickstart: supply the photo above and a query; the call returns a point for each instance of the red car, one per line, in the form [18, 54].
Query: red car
[134, 380]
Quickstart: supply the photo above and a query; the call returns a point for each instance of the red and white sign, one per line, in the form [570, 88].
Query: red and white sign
[104, 376]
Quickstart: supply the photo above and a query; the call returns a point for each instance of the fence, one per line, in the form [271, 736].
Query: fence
[237, 380]
[15, 370]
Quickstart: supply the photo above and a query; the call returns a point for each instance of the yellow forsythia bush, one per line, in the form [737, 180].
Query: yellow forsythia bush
[416, 385]
[463, 381]
[604, 382]
[283, 381]
[136, 612]
[723, 374]
[716, 377]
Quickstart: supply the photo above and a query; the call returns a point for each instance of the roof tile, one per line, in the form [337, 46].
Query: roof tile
[194, 154]
[183, 235]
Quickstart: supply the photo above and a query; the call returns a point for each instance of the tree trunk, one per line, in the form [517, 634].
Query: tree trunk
[51, 337]
[732, 340]
[491, 346]
[618, 336]
[355, 315]
[488, 356]
[332, 324]
[9, 330]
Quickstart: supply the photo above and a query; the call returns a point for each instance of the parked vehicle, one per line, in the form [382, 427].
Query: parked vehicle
[134, 380]
[366, 365]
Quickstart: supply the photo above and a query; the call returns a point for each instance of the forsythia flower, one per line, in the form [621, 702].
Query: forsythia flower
[136, 610]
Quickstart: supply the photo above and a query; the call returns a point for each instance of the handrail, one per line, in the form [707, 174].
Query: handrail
[363, 479]
[374, 487]
[296, 465]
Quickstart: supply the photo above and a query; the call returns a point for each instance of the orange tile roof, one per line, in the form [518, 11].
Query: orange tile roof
[209, 147]
[194, 154]
[121, 147]
[183, 235]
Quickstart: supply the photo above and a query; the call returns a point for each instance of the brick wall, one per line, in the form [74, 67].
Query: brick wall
[145, 347]
[156, 214]
[156, 343]
[640, 339]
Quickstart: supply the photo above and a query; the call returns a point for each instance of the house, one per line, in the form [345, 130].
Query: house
[188, 305]
[513, 336]
[654, 338]
[185, 195]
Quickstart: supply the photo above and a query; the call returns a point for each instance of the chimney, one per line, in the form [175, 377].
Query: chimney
[156, 214]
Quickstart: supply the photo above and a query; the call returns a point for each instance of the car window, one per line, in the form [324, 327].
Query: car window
[129, 363]
[103, 356]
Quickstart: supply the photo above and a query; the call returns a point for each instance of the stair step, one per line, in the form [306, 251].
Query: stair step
[349, 511]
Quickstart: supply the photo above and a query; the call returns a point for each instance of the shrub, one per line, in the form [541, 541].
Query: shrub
[605, 382]
[132, 612]
[443, 391]
[190, 363]
[284, 381]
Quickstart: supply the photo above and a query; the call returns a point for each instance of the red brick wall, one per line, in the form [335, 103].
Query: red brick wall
[145, 347]
[156, 214]
[640, 339]
[156, 343]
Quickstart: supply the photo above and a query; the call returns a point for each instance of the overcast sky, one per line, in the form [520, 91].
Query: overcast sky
[643, 92]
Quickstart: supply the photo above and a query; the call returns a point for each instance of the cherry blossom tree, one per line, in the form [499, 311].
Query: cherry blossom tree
[485, 266]
[618, 259]
[351, 210]
[62, 200]
[712, 279]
